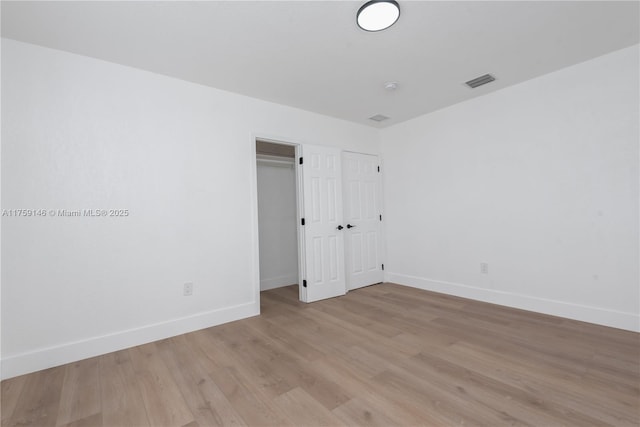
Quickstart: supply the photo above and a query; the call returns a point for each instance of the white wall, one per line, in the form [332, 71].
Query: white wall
[80, 133]
[277, 224]
[539, 180]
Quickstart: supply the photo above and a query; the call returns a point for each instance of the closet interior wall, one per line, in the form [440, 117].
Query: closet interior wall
[277, 215]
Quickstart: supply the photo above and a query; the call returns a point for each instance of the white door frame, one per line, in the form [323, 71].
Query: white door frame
[302, 292]
[302, 273]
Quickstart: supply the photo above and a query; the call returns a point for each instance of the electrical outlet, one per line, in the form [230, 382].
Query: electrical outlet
[484, 268]
[188, 289]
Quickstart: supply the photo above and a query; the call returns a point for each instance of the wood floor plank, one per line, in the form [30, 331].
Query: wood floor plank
[206, 401]
[486, 394]
[162, 398]
[122, 402]
[258, 358]
[279, 368]
[292, 367]
[94, 420]
[357, 412]
[372, 394]
[40, 398]
[80, 395]
[287, 341]
[10, 391]
[544, 386]
[304, 410]
[249, 401]
[208, 348]
[366, 317]
[360, 335]
[381, 355]
[441, 403]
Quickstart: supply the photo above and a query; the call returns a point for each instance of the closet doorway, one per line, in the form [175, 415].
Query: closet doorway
[277, 214]
[307, 233]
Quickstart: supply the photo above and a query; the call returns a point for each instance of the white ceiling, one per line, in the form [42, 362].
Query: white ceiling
[312, 55]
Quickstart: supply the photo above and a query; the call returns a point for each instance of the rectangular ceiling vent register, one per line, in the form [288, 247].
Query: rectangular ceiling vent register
[378, 118]
[479, 81]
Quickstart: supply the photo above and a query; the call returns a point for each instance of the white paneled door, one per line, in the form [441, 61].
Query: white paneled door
[362, 216]
[323, 229]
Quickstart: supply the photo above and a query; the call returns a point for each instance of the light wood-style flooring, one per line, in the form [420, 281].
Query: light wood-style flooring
[380, 356]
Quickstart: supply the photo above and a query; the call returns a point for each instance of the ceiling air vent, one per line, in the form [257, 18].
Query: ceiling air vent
[378, 118]
[479, 81]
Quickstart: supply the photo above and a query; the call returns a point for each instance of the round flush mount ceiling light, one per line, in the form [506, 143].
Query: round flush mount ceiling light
[377, 15]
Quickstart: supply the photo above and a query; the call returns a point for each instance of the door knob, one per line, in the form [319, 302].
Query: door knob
[339, 227]
[351, 226]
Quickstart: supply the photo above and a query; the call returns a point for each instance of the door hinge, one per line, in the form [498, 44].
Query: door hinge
[301, 161]
[304, 283]
[380, 217]
[302, 221]
[378, 168]
[382, 267]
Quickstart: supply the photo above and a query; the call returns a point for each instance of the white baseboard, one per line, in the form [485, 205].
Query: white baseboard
[597, 315]
[278, 282]
[25, 363]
